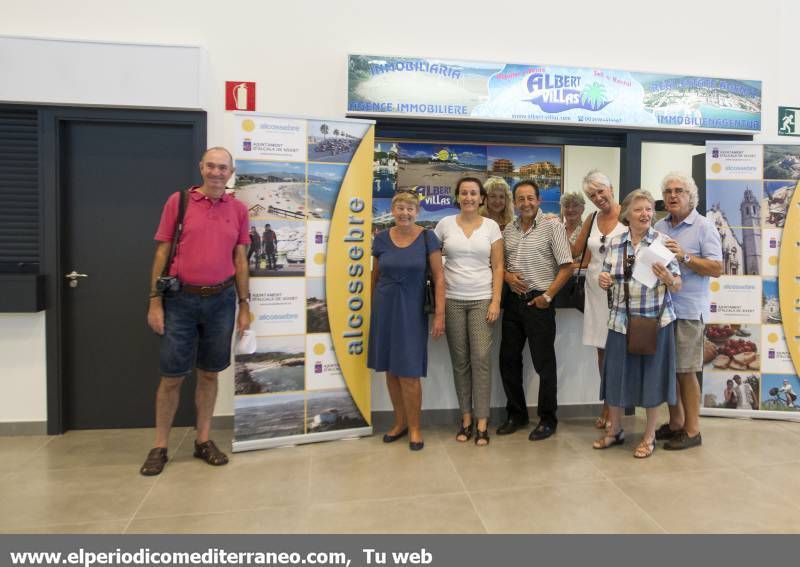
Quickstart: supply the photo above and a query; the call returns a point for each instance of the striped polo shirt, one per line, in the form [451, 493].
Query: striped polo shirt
[536, 254]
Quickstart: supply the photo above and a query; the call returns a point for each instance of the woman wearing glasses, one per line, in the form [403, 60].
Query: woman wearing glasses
[639, 380]
[600, 228]
[398, 334]
[473, 275]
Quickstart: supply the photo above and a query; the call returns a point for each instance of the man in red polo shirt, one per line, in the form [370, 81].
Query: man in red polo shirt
[196, 322]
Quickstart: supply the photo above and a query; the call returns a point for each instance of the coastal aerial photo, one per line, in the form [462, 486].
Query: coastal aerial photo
[316, 306]
[700, 97]
[330, 410]
[334, 141]
[269, 416]
[278, 365]
[781, 162]
[324, 182]
[272, 189]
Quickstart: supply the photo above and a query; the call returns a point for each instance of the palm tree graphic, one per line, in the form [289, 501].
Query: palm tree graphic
[594, 95]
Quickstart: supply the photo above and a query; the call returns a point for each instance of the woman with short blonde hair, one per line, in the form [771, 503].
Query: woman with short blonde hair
[597, 231]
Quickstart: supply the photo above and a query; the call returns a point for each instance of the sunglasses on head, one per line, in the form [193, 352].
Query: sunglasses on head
[627, 268]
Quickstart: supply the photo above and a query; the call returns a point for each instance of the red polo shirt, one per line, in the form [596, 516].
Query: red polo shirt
[211, 231]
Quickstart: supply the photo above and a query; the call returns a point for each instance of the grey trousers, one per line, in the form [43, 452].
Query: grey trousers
[469, 338]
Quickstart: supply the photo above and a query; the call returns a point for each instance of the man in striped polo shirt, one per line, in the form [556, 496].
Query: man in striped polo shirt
[538, 264]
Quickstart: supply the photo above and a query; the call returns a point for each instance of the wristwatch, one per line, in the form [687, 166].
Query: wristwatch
[686, 259]
[547, 298]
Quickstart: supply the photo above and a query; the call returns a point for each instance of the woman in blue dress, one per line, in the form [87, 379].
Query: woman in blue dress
[398, 334]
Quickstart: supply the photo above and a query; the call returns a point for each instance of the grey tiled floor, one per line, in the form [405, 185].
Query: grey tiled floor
[742, 479]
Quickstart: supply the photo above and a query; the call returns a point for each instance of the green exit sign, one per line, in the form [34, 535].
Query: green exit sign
[788, 121]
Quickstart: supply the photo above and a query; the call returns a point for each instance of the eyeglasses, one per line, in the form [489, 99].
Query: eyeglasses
[602, 244]
[677, 191]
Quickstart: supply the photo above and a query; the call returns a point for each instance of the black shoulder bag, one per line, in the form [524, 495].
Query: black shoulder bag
[166, 282]
[573, 294]
[429, 301]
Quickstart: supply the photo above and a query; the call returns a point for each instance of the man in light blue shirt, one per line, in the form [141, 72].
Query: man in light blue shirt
[696, 244]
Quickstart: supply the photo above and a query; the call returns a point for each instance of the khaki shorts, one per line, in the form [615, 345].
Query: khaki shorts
[688, 345]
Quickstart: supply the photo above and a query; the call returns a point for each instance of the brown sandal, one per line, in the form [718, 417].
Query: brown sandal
[610, 440]
[154, 464]
[209, 452]
[644, 449]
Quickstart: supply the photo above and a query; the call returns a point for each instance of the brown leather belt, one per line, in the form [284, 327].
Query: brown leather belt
[206, 290]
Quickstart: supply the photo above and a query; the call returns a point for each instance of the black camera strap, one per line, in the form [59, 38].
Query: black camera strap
[178, 230]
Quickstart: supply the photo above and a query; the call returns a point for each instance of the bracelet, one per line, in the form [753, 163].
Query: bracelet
[154, 294]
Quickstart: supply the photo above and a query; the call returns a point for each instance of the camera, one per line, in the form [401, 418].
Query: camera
[167, 283]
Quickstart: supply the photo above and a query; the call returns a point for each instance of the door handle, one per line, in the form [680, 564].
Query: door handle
[73, 278]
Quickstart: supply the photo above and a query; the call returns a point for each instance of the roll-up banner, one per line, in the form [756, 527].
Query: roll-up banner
[578, 96]
[752, 342]
[307, 184]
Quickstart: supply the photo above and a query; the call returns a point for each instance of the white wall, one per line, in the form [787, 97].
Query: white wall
[23, 371]
[660, 159]
[579, 160]
[296, 52]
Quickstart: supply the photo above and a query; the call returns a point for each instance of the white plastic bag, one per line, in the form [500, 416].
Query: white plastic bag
[246, 343]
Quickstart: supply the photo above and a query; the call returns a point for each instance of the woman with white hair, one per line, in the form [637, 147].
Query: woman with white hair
[600, 229]
[572, 207]
[643, 374]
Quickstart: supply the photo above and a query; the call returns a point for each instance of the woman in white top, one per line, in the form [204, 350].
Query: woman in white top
[473, 274]
[600, 228]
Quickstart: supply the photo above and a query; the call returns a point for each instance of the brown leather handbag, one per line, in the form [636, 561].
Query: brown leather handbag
[642, 335]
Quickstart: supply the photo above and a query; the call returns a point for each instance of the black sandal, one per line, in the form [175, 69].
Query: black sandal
[482, 436]
[210, 453]
[154, 464]
[466, 431]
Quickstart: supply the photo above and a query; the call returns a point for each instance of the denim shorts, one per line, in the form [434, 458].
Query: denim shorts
[197, 332]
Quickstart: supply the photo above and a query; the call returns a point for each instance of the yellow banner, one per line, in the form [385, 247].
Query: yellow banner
[789, 278]
[347, 274]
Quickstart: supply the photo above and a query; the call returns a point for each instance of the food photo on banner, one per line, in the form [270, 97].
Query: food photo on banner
[412, 86]
[306, 183]
[747, 357]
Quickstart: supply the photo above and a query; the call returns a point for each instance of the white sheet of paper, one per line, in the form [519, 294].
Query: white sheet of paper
[643, 268]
